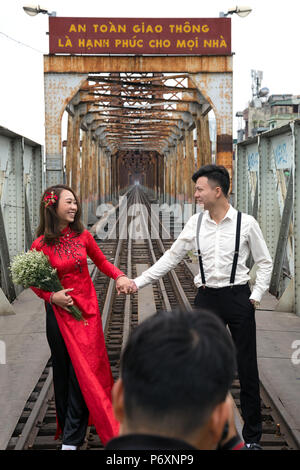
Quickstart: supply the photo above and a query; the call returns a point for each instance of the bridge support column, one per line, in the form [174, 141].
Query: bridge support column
[59, 89]
[102, 173]
[172, 174]
[69, 150]
[217, 89]
[84, 183]
[160, 177]
[189, 166]
[107, 177]
[167, 178]
[73, 153]
[192, 164]
[114, 178]
[203, 141]
[179, 173]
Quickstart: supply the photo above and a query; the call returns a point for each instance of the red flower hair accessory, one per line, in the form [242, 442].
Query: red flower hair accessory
[50, 199]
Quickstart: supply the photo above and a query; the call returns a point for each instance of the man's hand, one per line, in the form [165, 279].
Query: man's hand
[255, 303]
[125, 285]
[134, 287]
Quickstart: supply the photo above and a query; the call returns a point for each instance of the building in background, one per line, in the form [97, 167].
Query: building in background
[266, 111]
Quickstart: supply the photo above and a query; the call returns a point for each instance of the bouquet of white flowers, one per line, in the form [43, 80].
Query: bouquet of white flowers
[32, 269]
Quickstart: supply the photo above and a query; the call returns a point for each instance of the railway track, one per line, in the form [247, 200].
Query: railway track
[37, 424]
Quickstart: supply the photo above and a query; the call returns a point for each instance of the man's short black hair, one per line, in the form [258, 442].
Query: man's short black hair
[216, 173]
[176, 367]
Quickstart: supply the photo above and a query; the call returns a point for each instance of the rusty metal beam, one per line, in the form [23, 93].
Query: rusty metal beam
[138, 64]
[144, 86]
[142, 108]
[136, 131]
[136, 141]
[127, 111]
[161, 78]
[145, 117]
[135, 98]
[135, 138]
[134, 125]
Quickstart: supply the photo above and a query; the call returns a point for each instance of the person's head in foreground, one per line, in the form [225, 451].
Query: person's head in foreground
[176, 371]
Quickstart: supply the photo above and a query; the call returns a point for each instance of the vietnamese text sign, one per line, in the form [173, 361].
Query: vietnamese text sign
[181, 36]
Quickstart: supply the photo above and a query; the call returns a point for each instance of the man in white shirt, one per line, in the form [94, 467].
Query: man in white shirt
[222, 283]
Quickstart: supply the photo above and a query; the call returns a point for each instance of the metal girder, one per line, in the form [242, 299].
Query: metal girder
[242, 189]
[119, 106]
[142, 86]
[283, 238]
[145, 117]
[59, 90]
[21, 183]
[296, 149]
[13, 198]
[274, 157]
[144, 103]
[7, 284]
[217, 90]
[28, 230]
[268, 214]
[137, 64]
[103, 97]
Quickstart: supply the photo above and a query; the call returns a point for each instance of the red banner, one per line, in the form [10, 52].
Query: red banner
[138, 36]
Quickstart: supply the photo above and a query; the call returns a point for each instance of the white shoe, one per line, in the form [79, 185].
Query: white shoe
[66, 447]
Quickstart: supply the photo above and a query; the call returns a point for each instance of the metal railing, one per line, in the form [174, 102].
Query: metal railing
[21, 184]
[267, 185]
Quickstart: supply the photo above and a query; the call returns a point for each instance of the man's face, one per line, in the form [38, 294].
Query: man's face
[206, 193]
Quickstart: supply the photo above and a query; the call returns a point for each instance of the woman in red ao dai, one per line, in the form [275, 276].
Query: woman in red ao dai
[81, 370]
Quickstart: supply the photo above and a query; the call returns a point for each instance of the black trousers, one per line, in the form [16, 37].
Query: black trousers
[233, 306]
[71, 410]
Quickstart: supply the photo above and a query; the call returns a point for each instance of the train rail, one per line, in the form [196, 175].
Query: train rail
[37, 424]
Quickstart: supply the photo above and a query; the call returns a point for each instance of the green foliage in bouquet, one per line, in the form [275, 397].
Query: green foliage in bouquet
[32, 269]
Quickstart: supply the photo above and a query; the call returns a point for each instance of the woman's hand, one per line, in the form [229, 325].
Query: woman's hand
[124, 285]
[62, 299]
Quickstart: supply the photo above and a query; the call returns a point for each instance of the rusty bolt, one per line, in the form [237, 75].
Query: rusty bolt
[278, 432]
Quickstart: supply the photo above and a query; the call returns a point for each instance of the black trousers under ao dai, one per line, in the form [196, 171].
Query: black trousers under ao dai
[71, 410]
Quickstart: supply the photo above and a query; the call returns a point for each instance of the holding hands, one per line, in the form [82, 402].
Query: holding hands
[62, 298]
[124, 285]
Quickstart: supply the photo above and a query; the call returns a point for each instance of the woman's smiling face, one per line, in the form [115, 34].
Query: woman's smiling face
[66, 208]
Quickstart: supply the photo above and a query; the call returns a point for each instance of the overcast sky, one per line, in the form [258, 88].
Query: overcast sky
[267, 40]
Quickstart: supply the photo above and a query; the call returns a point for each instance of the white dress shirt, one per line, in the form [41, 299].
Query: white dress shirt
[217, 245]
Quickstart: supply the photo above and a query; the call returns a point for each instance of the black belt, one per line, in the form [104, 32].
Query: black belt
[236, 250]
[236, 288]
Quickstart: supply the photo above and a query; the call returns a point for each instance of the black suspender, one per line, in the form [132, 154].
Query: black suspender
[237, 247]
[198, 246]
[236, 250]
